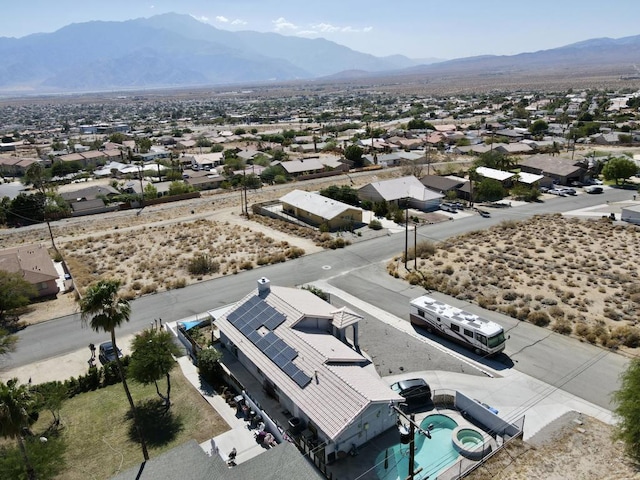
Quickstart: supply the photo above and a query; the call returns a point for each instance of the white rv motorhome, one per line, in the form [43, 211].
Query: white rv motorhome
[480, 334]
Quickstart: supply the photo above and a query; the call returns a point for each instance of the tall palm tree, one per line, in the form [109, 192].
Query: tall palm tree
[103, 309]
[15, 405]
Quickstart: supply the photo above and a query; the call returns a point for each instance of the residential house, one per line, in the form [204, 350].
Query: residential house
[203, 161]
[15, 166]
[90, 200]
[505, 178]
[316, 210]
[203, 180]
[560, 169]
[399, 190]
[513, 148]
[303, 166]
[35, 265]
[444, 185]
[295, 345]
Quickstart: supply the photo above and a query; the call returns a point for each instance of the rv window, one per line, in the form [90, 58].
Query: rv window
[421, 313]
[468, 333]
[455, 328]
[438, 319]
[481, 338]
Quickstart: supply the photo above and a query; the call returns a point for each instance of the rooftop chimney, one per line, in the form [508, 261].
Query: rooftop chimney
[264, 286]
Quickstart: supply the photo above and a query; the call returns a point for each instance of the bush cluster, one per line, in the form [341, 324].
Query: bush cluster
[95, 378]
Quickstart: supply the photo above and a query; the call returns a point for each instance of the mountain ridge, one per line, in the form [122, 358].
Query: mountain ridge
[175, 50]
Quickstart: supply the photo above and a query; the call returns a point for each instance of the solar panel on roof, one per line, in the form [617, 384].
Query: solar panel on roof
[290, 369]
[271, 338]
[301, 378]
[280, 361]
[271, 351]
[262, 343]
[254, 337]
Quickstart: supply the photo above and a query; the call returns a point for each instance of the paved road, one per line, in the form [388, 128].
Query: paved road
[359, 270]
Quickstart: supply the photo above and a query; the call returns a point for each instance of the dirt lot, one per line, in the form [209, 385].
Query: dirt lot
[572, 447]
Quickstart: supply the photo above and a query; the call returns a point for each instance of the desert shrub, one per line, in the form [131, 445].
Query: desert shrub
[540, 319]
[556, 312]
[136, 285]
[549, 301]
[509, 295]
[425, 249]
[582, 330]
[562, 326]
[294, 252]
[486, 302]
[375, 225]
[448, 270]
[246, 265]
[413, 278]
[149, 288]
[510, 310]
[523, 313]
[627, 336]
[202, 264]
[324, 227]
[179, 283]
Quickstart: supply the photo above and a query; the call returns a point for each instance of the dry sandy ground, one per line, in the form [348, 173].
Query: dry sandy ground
[572, 447]
[576, 276]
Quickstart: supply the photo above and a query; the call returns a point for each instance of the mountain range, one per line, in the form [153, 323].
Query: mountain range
[172, 50]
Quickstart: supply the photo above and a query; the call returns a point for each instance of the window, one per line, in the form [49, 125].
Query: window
[455, 328]
[438, 318]
[421, 313]
[481, 338]
[468, 333]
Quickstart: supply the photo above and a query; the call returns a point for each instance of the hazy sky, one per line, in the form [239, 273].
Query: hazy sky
[415, 28]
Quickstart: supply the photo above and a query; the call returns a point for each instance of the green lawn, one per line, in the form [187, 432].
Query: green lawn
[97, 432]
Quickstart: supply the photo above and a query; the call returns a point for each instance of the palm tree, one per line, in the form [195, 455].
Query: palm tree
[104, 310]
[16, 402]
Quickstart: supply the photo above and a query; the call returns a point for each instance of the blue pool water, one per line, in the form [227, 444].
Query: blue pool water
[433, 455]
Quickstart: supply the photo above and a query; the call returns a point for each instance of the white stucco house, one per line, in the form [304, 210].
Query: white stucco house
[295, 344]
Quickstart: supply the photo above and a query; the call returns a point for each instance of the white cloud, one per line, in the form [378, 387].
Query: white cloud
[282, 24]
[222, 19]
[325, 27]
[201, 18]
[318, 28]
[237, 21]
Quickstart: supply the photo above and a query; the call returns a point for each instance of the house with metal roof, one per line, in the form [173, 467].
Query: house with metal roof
[295, 345]
[398, 190]
[494, 174]
[316, 210]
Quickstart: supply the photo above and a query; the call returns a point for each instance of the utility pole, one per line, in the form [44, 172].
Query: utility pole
[415, 246]
[406, 233]
[412, 446]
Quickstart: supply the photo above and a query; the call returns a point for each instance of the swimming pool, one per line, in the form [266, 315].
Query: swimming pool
[433, 455]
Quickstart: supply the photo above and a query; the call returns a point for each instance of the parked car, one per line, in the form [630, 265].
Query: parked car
[567, 190]
[107, 353]
[593, 189]
[557, 191]
[415, 391]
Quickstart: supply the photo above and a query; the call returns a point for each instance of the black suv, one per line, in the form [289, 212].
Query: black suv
[415, 391]
[107, 353]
